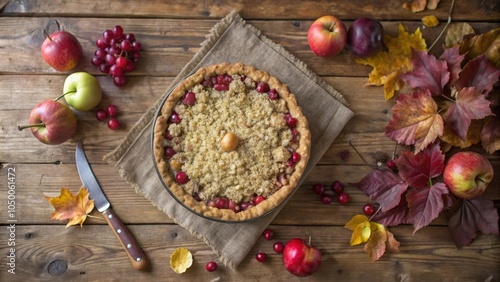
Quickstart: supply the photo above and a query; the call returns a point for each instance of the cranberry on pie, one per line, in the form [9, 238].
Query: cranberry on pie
[230, 142]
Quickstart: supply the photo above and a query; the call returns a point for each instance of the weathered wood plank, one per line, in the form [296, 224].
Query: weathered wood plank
[387, 10]
[168, 44]
[427, 256]
[305, 208]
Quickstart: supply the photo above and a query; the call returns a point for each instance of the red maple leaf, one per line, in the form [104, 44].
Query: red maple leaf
[419, 169]
[428, 73]
[384, 187]
[470, 104]
[453, 60]
[415, 120]
[479, 73]
[395, 216]
[467, 217]
[426, 204]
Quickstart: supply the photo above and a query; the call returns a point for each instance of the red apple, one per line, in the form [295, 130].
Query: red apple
[61, 50]
[467, 174]
[52, 122]
[327, 36]
[300, 258]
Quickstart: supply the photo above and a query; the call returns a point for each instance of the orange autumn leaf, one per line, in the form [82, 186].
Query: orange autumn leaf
[72, 207]
[389, 65]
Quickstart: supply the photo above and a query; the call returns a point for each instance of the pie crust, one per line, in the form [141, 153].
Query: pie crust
[235, 169]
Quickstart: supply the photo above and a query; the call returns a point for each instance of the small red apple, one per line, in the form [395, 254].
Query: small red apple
[61, 50]
[327, 36]
[300, 258]
[467, 174]
[52, 122]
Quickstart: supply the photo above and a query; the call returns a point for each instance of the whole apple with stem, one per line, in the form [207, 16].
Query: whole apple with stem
[61, 50]
[300, 258]
[52, 122]
[327, 36]
[82, 91]
[467, 174]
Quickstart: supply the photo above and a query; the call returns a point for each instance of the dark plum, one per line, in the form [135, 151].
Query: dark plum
[365, 36]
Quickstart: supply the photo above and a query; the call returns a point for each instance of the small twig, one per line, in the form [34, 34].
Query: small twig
[371, 217]
[355, 150]
[445, 27]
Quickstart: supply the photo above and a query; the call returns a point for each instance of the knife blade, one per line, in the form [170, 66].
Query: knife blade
[134, 251]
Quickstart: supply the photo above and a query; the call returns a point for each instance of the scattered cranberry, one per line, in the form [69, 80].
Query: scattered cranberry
[221, 87]
[262, 87]
[175, 118]
[181, 177]
[295, 157]
[257, 200]
[278, 247]
[344, 155]
[290, 121]
[273, 94]
[319, 189]
[101, 115]
[343, 198]
[326, 199]
[211, 266]
[169, 152]
[261, 257]
[189, 99]
[113, 124]
[168, 136]
[112, 110]
[268, 234]
[245, 206]
[222, 203]
[392, 165]
[368, 209]
[337, 187]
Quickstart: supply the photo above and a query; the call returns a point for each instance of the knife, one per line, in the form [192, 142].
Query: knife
[134, 251]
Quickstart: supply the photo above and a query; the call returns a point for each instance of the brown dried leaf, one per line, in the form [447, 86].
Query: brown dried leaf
[432, 4]
[456, 32]
[488, 43]
[72, 207]
[415, 5]
[473, 135]
[430, 21]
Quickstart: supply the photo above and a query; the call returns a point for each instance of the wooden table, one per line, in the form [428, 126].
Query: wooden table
[170, 34]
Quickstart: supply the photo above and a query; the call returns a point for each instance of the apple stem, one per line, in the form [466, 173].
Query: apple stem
[332, 26]
[309, 244]
[47, 34]
[21, 127]
[59, 97]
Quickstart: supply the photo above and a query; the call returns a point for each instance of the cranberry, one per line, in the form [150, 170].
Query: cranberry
[337, 187]
[290, 162]
[101, 115]
[257, 200]
[243, 77]
[221, 87]
[222, 203]
[295, 132]
[211, 203]
[168, 136]
[368, 209]
[207, 83]
[196, 196]
[220, 79]
[295, 157]
[273, 94]
[343, 198]
[268, 234]
[113, 124]
[245, 206]
[181, 177]
[112, 110]
[169, 152]
[227, 79]
[319, 189]
[211, 266]
[290, 121]
[262, 87]
[392, 165]
[326, 199]
[175, 118]
[278, 247]
[234, 206]
[260, 256]
[189, 99]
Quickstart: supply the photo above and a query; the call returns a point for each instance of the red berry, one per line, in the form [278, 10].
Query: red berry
[257, 200]
[168, 136]
[326, 199]
[222, 203]
[290, 121]
[181, 177]
[234, 206]
[295, 157]
[189, 99]
[262, 87]
[344, 155]
[117, 31]
[113, 124]
[119, 80]
[278, 247]
[112, 110]
[101, 115]
[337, 187]
[273, 94]
[169, 152]
[392, 165]
[175, 118]
[121, 62]
[221, 87]
[245, 206]
[343, 198]
[261, 257]
[268, 234]
[319, 189]
[368, 209]
[211, 266]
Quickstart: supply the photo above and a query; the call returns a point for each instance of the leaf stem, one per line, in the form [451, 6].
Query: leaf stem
[445, 27]
[355, 150]
[96, 217]
[371, 217]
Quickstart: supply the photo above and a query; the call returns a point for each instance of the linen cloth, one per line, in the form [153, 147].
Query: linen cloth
[233, 40]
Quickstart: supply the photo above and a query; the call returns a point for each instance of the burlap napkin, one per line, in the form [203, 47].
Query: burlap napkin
[232, 40]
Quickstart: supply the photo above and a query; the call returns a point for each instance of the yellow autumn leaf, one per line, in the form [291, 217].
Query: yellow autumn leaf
[72, 207]
[430, 21]
[389, 65]
[361, 233]
[355, 221]
[180, 260]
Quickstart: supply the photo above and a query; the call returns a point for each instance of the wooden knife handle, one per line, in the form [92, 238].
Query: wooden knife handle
[134, 251]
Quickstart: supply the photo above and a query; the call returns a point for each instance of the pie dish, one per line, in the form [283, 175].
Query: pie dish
[230, 142]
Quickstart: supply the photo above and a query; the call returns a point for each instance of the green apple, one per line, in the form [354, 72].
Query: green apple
[82, 91]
